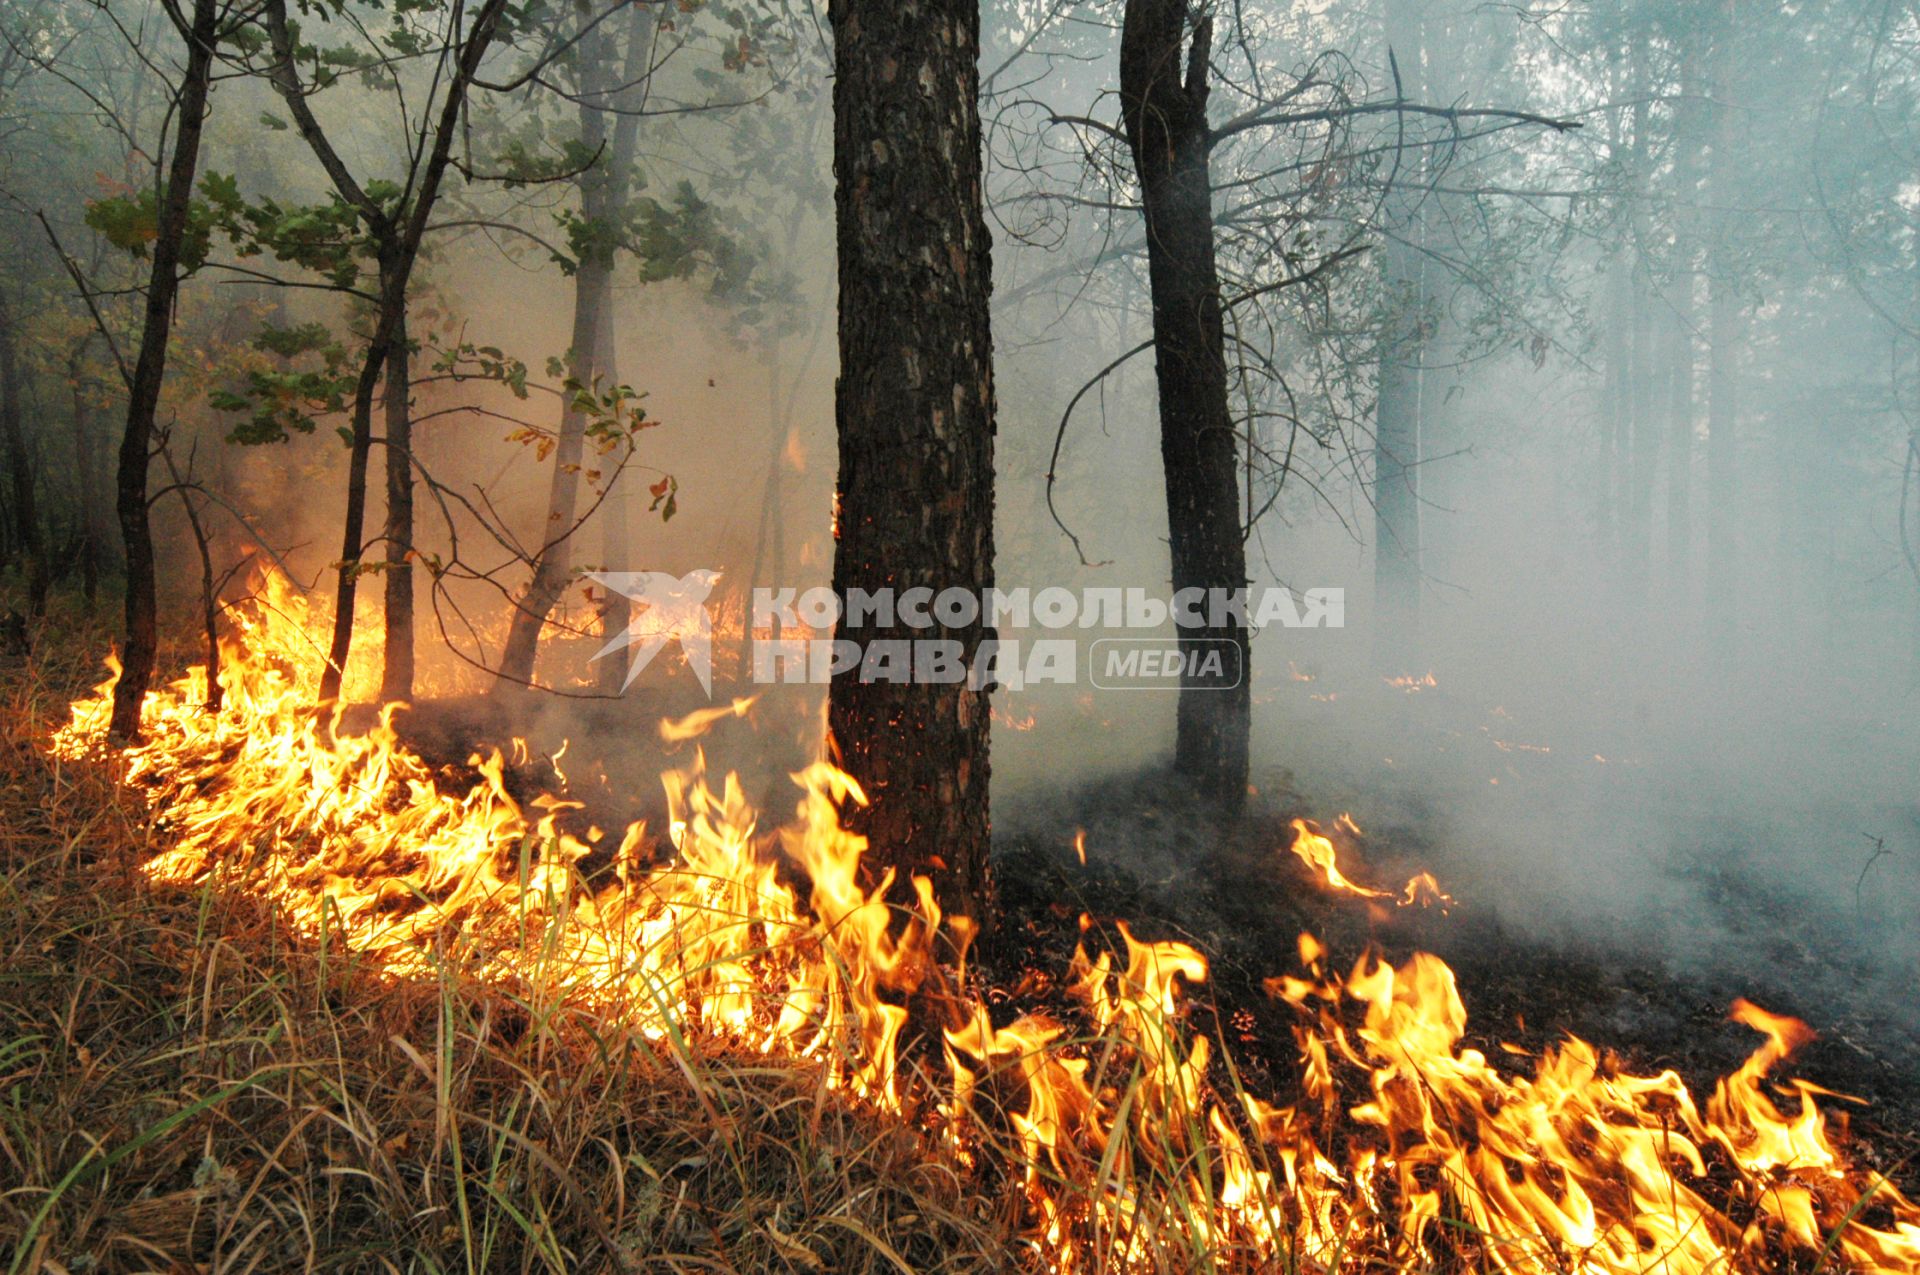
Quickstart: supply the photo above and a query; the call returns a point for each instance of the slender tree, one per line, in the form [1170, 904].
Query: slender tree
[914, 408]
[395, 229]
[1163, 100]
[608, 79]
[141, 643]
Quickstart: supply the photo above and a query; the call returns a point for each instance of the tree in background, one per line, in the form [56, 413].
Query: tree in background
[1163, 102]
[141, 642]
[394, 217]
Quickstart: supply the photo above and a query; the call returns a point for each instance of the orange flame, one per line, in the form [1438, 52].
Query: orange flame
[1134, 1143]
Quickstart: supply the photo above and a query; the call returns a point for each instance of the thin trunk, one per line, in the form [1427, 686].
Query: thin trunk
[553, 561]
[88, 458]
[398, 247]
[1644, 458]
[396, 676]
[209, 601]
[1680, 440]
[603, 192]
[143, 397]
[1166, 124]
[360, 448]
[1681, 339]
[1397, 423]
[22, 506]
[915, 414]
[616, 535]
[1725, 336]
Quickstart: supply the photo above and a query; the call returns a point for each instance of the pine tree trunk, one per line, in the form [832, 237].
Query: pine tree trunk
[1166, 125]
[141, 643]
[915, 414]
[1681, 337]
[396, 677]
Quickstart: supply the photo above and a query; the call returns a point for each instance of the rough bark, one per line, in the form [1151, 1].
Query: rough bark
[141, 640]
[1165, 113]
[915, 413]
[1397, 409]
[396, 671]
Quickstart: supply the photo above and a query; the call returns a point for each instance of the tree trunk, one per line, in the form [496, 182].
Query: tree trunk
[915, 413]
[1397, 420]
[393, 302]
[1166, 125]
[88, 458]
[553, 560]
[603, 190]
[616, 535]
[1725, 336]
[1680, 339]
[143, 397]
[22, 505]
[396, 676]
[1644, 457]
[399, 249]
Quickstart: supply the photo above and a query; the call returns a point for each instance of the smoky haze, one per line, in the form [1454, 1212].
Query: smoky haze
[1660, 666]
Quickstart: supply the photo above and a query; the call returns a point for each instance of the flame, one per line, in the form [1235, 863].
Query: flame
[1316, 850]
[1123, 1123]
[1410, 684]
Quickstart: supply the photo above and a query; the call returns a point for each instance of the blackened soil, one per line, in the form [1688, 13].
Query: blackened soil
[1236, 894]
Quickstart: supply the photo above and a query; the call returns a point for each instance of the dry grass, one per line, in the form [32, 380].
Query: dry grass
[184, 1086]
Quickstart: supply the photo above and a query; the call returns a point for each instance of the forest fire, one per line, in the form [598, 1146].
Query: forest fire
[1317, 851]
[1135, 1144]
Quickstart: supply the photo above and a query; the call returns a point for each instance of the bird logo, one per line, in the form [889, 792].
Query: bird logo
[666, 609]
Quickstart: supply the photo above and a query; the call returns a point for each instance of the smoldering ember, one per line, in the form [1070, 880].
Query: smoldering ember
[961, 636]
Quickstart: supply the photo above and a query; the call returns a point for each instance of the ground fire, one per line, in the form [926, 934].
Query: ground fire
[755, 637]
[1124, 1123]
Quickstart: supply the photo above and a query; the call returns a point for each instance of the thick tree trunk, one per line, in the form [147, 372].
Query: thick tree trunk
[143, 397]
[1166, 124]
[396, 676]
[915, 412]
[1397, 439]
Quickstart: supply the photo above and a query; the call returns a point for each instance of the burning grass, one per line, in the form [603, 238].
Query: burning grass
[748, 1060]
[187, 1084]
